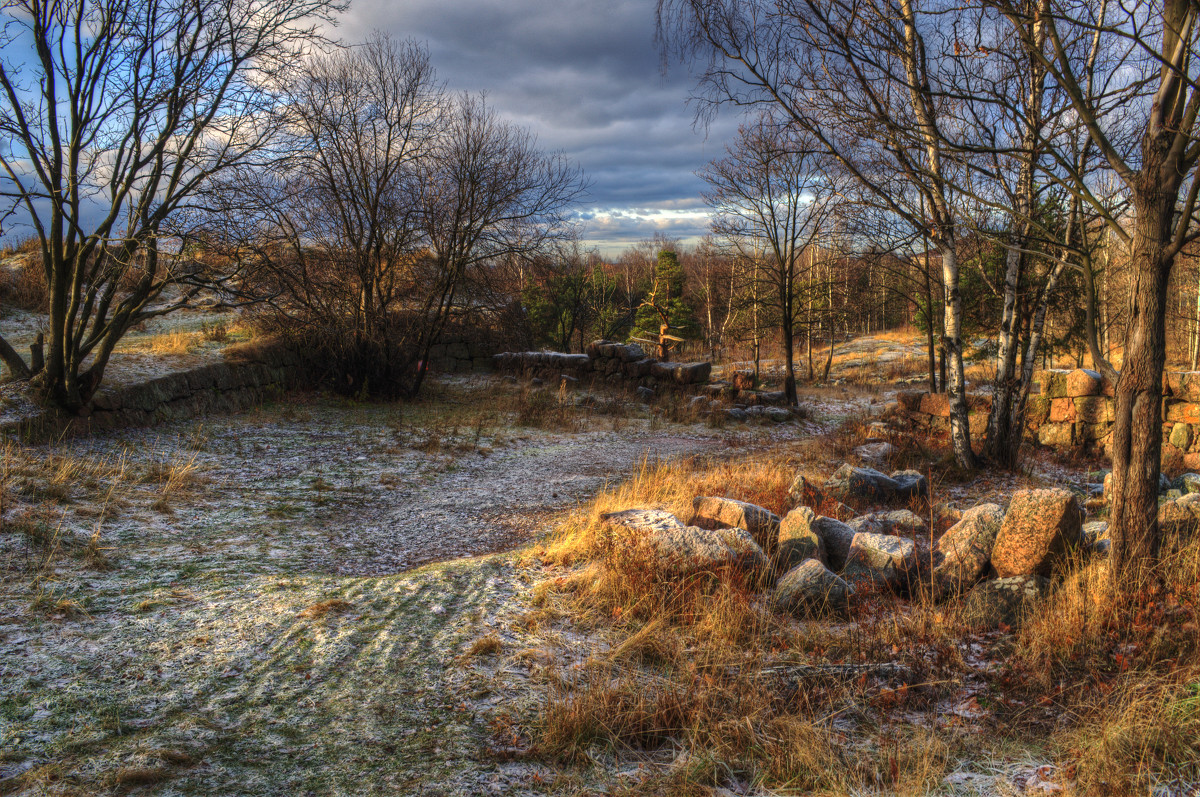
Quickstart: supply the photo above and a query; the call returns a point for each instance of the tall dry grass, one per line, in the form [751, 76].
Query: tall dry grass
[23, 282]
[703, 670]
[1124, 658]
[703, 667]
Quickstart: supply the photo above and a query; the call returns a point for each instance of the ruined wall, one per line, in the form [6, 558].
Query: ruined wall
[1073, 410]
[234, 384]
[461, 355]
[617, 365]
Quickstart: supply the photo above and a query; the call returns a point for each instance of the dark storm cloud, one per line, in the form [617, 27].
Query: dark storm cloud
[586, 78]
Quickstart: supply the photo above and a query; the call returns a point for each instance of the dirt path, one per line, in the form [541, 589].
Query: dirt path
[253, 624]
[500, 501]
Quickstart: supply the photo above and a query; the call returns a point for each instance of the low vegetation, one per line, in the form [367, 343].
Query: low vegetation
[703, 685]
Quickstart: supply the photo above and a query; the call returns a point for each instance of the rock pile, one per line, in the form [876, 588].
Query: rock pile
[623, 365]
[626, 366]
[998, 561]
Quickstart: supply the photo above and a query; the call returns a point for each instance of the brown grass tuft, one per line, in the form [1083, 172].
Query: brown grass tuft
[23, 283]
[320, 610]
[1144, 733]
[489, 645]
[128, 778]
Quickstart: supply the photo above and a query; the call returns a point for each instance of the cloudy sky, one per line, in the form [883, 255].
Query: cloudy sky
[586, 77]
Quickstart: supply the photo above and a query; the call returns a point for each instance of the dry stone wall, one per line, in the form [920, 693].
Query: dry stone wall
[235, 384]
[461, 355]
[1073, 410]
[618, 365]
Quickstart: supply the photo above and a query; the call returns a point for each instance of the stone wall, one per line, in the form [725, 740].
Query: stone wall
[461, 355]
[617, 365]
[238, 383]
[1073, 410]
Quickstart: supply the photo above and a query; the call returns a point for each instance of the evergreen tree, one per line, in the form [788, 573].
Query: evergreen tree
[664, 309]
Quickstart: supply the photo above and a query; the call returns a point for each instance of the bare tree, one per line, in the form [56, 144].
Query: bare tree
[489, 194]
[1139, 104]
[769, 188]
[114, 115]
[857, 76]
[395, 218]
[333, 234]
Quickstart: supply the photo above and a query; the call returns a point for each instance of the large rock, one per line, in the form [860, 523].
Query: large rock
[871, 485]
[1083, 382]
[910, 483]
[1003, 600]
[965, 550]
[804, 492]
[687, 549]
[836, 538]
[1180, 436]
[900, 521]
[711, 512]
[1189, 482]
[630, 352]
[777, 414]
[1096, 530]
[880, 559]
[682, 373]
[876, 452]
[811, 589]
[1039, 529]
[798, 540]
[851, 482]
[1181, 516]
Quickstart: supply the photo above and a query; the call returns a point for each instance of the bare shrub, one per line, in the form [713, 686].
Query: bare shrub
[23, 283]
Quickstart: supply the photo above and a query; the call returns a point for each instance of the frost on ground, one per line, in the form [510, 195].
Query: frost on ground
[277, 603]
[230, 607]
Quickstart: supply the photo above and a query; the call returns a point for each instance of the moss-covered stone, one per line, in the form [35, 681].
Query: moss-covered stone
[1093, 409]
[1180, 436]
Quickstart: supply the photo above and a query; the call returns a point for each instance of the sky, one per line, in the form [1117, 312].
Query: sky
[586, 77]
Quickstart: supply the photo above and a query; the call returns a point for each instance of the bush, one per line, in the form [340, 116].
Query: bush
[23, 284]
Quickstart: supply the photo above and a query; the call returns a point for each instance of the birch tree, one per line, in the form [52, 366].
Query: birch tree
[1139, 104]
[857, 76]
[769, 187]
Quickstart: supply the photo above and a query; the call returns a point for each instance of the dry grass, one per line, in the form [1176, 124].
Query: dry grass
[705, 665]
[1089, 626]
[1146, 732]
[176, 477]
[46, 491]
[215, 332]
[901, 335]
[1126, 661]
[171, 343]
[323, 608]
[256, 347]
[704, 672]
[762, 480]
[23, 283]
[489, 645]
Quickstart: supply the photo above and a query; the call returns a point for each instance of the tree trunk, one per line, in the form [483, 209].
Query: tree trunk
[828, 357]
[960, 429]
[1137, 425]
[930, 347]
[16, 366]
[1196, 324]
[942, 363]
[789, 378]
